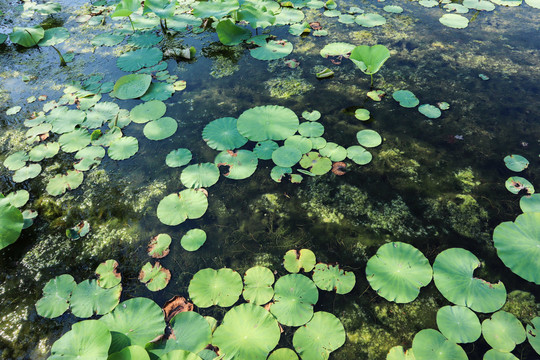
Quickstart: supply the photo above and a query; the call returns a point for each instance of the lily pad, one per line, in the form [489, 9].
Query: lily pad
[123, 148]
[503, 331]
[159, 246]
[406, 98]
[397, 272]
[517, 184]
[319, 337]
[283, 354]
[88, 157]
[334, 151]
[318, 142]
[331, 277]
[88, 299]
[369, 59]
[74, 141]
[190, 332]
[60, 183]
[193, 239]
[16, 160]
[108, 277]
[78, 231]
[222, 134]
[453, 275]
[18, 198]
[231, 34]
[215, 287]
[429, 344]
[258, 282]
[302, 143]
[359, 155]
[44, 151]
[150, 110]
[289, 16]
[370, 20]
[368, 138]
[241, 164]
[316, 164]
[270, 122]
[311, 129]
[129, 353]
[89, 339]
[459, 324]
[362, 114]
[155, 277]
[27, 36]
[313, 115]
[159, 91]
[178, 157]
[295, 296]
[272, 50]
[286, 156]
[216, 9]
[131, 86]
[27, 173]
[248, 332]
[394, 9]
[533, 334]
[493, 354]
[264, 149]
[277, 173]
[107, 39]
[174, 209]
[530, 203]
[136, 60]
[160, 129]
[516, 162]
[430, 111]
[145, 39]
[336, 49]
[454, 21]
[56, 294]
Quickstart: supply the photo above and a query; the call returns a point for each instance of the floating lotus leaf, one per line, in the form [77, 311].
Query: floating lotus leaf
[318, 142]
[107, 138]
[73, 141]
[330, 278]
[516, 184]
[406, 98]
[18, 198]
[64, 120]
[530, 203]
[397, 353]
[295, 296]
[107, 39]
[88, 157]
[311, 129]
[313, 115]
[258, 282]
[136, 60]
[27, 36]
[108, 277]
[299, 29]
[498, 355]
[518, 245]
[190, 332]
[78, 231]
[272, 50]
[359, 155]
[532, 3]
[277, 173]
[26, 173]
[393, 9]
[430, 344]
[28, 217]
[362, 114]
[397, 272]
[123, 148]
[155, 277]
[332, 13]
[100, 113]
[151, 110]
[159, 246]
[336, 49]
[158, 91]
[59, 184]
[428, 3]
[222, 134]
[215, 287]
[54, 36]
[131, 86]
[242, 163]
[503, 331]
[135, 321]
[178, 158]
[459, 324]
[370, 20]
[193, 239]
[231, 34]
[368, 138]
[295, 260]
[508, 2]
[319, 337]
[16, 160]
[130, 353]
[164, 9]
[334, 151]
[125, 8]
[516, 162]
[454, 21]
[56, 295]
[13, 110]
[300, 142]
[270, 122]
[533, 334]
[286, 156]
[453, 275]
[430, 111]
[88, 299]
[316, 164]
[216, 9]
[283, 354]
[479, 5]
[38, 130]
[183, 22]
[87, 340]
[145, 39]
[184, 355]
[174, 209]
[264, 149]
[289, 16]
[458, 8]
[160, 129]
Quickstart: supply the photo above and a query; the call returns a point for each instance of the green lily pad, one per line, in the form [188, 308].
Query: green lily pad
[532, 3]
[516, 162]
[27, 36]
[311, 116]
[319, 337]
[362, 114]
[406, 98]
[136, 60]
[336, 49]
[216, 9]
[359, 155]
[300, 142]
[215, 287]
[311, 129]
[88, 299]
[28, 217]
[498, 355]
[369, 59]
[295, 296]
[286, 156]
[89, 339]
[99, 114]
[222, 134]
[368, 138]
[503, 331]
[299, 29]
[264, 149]
[151, 110]
[18, 198]
[283, 354]
[334, 151]
[74, 141]
[277, 173]
[159, 246]
[258, 282]
[54, 36]
[397, 353]
[37, 131]
[231, 34]
[330, 278]
[88, 157]
[454, 21]
[517, 184]
[155, 277]
[428, 3]
[129, 353]
[518, 245]
[370, 20]
[159, 91]
[318, 142]
[145, 39]
[64, 120]
[533, 334]
[295, 260]
[530, 203]
[27, 173]
[123, 148]
[108, 277]
[13, 110]
[44, 151]
[288, 16]
[131, 86]
[397, 272]
[78, 231]
[270, 122]
[135, 321]
[430, 111]
[316, 164]
[453, 275]
[59, 184]
[193, 239]
[16, 160]
[56, 294]
[272, 50]
[189, 332]
[107, 39]
[160, 129]
[242, 163]
[174, 209]
[394, 9]
[248, 332]
[459, 324]
[429, 344]
[178, 157]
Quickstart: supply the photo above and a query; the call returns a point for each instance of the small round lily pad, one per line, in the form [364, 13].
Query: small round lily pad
[215, 287]
[295, 260]
[178, 157]
[459, 324]
[431, 111]
[160, 129]
[16, 160]
[258, 282]
[200, 175]
[362, 114]
[359, 155]
[26, 173]
[241, 164]
[150, 110]
[222, 134]
[406, 98]
[323, 334]
[123, 148]
[174, 209]
[108, 277]
[286, 156]
[315, 163]
[369, 138]
[193, 239]
[264, 149]
[429, 344]
[516, 163]
[311, 129]
[311, 115]
[300, 142]
[454, 21]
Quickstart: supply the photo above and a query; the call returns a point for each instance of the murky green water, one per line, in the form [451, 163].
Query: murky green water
[434, 184]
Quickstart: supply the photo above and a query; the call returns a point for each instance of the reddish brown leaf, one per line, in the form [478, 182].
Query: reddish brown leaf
[176, 305]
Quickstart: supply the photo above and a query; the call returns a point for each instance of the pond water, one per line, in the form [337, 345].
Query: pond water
[433, 183]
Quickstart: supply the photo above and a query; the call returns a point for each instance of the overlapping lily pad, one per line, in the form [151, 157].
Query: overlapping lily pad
[283, 354]
[295, 296]
[155, 277]
[89, 339]
[430, 344]
[258, 282]
[150, 110]
[215, 287]
[88, 299]
[231, 34]
[56, 294]
[123, 148]
[286, 156]
[222, 134]
[332, 278]
[44, 151]
[159, 91]
[530, 203]
[270, 122]
[459, 324]
[264, 149]
[16, 160]
[60, 183]
[26, 173]
[136, 60]
[315, 163]
[533, 334]
[131, 86]
[18, 198]
[74, 141]
[241, 164]
[300, 142]
[503, 331]
[160, 129]
[189, 332]
[174, 209]
[334, 151]
[129, 353]
[159, 246]
[319, 337]
[278, 173]
[193, 239]
[88, 157]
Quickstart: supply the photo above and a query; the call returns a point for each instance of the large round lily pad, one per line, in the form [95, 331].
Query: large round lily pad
[87, 340]
[503, 331]
[131, 86]
[200, 175]
[397, 272]
[11, 222]
[270, 122]
[286, 156]
[193, 239]
[88, 298]
[215, 287]
[190, 332]
[248, 332]
[272, 50]
[459, 324]
[151, 110]
[331, 277]
[518, 245]
[453, 275]
[295, 296]
[123, 148]
[319, 337]
[258, 282]
[55, 298]
[430, 344]
[222, 134]
[241, 164]
[136, 60]
[174, 209]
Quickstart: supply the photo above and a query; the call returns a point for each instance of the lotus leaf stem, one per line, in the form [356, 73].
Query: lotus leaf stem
[62, 60]
[131, 22]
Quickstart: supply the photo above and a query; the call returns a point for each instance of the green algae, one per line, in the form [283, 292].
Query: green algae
[522, 305]
[465, 180]
[286, 87]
